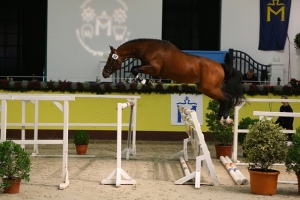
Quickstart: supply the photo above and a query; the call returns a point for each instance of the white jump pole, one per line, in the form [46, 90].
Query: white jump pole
[3, 119]
[230, 170]
[237, 171]
[65, 175]
[185, 168]
[119, 172]
[36, 121]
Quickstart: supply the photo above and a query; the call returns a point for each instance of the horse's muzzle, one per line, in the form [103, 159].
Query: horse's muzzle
[105, 75]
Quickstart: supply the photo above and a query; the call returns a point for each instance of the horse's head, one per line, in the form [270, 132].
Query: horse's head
[113, 63]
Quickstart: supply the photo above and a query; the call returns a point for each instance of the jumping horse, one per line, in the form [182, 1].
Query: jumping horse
[163, 59]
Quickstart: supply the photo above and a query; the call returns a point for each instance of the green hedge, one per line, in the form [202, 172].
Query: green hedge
[159, 88]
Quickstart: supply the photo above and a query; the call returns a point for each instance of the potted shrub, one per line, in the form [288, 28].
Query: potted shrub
[264, 146]
[244, 124]
[81, 140]
[14, 166]
[297, 41]
[221, 135]
[292, 161]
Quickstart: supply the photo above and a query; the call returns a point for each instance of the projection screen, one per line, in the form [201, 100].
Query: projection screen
[80, 31]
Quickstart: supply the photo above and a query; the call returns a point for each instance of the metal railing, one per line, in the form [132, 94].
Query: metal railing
[243, 62]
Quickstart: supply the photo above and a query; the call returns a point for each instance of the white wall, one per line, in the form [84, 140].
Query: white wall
[240, 31]
[80, 31]
[72, 60]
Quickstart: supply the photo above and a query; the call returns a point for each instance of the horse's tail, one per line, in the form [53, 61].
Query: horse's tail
[233, 85]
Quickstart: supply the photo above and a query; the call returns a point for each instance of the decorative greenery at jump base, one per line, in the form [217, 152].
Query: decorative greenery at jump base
[106, 88]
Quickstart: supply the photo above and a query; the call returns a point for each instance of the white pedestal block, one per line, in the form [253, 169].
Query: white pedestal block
[276, 72]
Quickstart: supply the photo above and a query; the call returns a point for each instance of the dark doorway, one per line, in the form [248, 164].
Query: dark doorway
[23, 35]
[192, 24]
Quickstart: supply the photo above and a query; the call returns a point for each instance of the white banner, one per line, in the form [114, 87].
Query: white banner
[189, 101]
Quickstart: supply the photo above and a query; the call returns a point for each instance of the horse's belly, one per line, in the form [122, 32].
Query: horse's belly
[183, 78]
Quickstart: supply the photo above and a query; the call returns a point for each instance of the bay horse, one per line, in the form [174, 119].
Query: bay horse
[163, 59]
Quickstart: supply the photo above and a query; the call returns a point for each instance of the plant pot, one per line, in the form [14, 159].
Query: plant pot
[14, 187]
[223, 151]
[264, 183]
[81, 149]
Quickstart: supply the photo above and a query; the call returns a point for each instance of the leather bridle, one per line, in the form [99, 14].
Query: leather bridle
[109, 69]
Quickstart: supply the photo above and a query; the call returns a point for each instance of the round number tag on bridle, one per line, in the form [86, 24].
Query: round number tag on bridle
[114, 56]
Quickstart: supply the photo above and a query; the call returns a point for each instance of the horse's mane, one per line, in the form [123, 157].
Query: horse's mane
[141, 40]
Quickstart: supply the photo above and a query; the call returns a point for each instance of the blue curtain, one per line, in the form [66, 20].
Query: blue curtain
[274, 22]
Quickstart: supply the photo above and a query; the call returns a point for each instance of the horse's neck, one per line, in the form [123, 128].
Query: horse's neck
[132, 51]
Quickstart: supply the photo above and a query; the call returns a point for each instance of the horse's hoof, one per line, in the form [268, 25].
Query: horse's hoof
[229, 121]
[222, 121]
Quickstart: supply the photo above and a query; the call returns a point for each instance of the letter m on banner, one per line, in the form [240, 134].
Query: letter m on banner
[274, 22]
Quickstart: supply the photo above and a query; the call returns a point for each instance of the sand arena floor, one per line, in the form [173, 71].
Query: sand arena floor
[153, 171]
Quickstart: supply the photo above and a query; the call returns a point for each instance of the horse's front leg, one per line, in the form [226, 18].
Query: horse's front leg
[135, 71]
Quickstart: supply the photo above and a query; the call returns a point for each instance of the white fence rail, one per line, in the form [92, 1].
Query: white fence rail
[236, 119]
[35, 99]
[64, 108]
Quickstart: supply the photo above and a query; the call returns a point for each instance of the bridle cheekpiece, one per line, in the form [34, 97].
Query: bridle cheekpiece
[115, 59]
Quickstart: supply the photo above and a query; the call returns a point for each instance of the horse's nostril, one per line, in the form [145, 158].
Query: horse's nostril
[105, 75]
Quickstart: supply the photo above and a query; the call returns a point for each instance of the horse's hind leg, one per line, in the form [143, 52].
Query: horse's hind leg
[221, 111]
[224, 101]
[224, 111]
[223, 114]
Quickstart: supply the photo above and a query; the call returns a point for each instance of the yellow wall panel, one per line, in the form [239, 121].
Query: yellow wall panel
[153, 111]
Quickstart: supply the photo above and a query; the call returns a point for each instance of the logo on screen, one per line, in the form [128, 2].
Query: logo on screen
[100, 23]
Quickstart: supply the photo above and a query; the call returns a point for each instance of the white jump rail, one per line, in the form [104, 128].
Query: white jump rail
[236, 119]
[270, 115]
[203, 159]
[116, 176]
[127, 152]
[65, 110]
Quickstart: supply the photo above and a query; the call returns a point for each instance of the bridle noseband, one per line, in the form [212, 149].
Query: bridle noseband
[110, 68]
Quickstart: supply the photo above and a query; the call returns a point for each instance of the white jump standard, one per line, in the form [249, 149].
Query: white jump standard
[203, 159]
[118, 173]
[129, 152]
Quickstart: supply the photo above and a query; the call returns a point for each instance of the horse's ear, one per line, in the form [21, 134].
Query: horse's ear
[112, 49]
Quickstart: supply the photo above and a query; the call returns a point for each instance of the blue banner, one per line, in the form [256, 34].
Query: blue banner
[274, 22]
